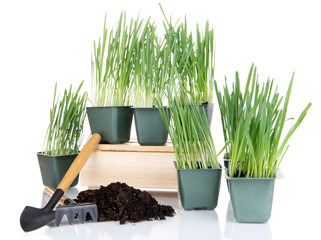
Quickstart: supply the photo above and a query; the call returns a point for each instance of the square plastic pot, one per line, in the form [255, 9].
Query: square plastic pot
[199, 188]
[150, 127]
[208, 108]
[251, 198]
[112, 123]
[54, 168]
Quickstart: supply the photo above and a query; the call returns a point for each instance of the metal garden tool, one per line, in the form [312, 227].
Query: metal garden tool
[33, 218]
[72, 210]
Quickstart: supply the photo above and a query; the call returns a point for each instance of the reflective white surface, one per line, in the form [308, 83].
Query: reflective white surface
[288, 220]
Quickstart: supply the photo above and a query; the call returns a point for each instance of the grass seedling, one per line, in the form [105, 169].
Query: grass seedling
[190, 134]
[113, 63]
[151, 70]
[195, 68]
[252, 125]
[64, 133]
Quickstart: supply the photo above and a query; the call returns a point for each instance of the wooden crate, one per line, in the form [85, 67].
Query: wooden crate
[148, 167]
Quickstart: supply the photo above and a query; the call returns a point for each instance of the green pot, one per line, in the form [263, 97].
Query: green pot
[150, 127]
[112, 123]
[226, 162]
[54, 168]
[208, 108]
[251, 198]
[199, 188]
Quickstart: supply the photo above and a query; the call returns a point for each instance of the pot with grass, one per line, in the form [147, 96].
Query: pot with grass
[258, 146]
[149, 82]
[64, 136]
[111, 115]
[198, 170]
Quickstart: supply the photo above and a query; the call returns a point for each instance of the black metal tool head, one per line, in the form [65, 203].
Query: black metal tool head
[76, 210]
[33, 218]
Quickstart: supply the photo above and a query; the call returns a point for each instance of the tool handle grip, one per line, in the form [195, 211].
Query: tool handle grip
[64, 200]
[79, 162]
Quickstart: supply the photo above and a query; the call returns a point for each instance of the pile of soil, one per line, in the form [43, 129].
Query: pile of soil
[119, 202]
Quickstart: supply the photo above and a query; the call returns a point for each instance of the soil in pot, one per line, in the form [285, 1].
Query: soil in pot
[120, 202]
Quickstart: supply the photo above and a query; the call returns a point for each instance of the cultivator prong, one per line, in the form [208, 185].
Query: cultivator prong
[76, 211]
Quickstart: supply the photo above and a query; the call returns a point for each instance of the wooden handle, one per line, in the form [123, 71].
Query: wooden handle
[50, 191]
[79, 162]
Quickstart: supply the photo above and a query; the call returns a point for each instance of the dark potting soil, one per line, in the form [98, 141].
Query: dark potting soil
[119, 202]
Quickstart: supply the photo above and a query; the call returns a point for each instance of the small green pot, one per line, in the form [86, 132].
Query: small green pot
[54, 168]
[150, 127]
[199, 188]
[112, 123]
[251, 198]
[208, 111]
[226, 162]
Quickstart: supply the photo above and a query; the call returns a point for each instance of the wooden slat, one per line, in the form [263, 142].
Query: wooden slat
[149, 169]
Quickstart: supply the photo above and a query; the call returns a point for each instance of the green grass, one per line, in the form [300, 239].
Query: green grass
[150, 75]
[64, 133]
[190, 134]
[196, 59]
[113, 63]
[253, 123]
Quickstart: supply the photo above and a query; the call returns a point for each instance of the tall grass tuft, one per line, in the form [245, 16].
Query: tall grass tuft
[190, 134]
[196, 65]
[253, 123]
[113, 63]
[64, 133]
[151, 71]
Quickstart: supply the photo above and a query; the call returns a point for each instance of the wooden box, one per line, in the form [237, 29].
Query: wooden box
[147, 167]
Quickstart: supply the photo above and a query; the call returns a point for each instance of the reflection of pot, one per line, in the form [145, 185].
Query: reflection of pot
[251, 198]
[199, 225]
[199, 188]
[54, 168]
[112, 123]
[237, 231]
[150, 127]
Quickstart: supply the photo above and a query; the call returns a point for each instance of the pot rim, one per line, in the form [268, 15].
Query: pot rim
[110, 107]
[148, 107]
[279, 175]
[42, 153]
[199, 169]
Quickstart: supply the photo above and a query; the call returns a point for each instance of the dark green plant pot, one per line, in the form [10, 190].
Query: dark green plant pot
[112, 123]
[208, 108]
[150, 127]
[199, 188]
[54, 168]
[251, 198]
[226, 162]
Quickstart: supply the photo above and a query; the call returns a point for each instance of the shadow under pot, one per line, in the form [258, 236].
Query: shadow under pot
[112, 123]
[251, 198]
[150, 127]
[54, 168]
[199, 188]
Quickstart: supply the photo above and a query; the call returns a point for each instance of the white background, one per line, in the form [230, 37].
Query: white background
[43, 42]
